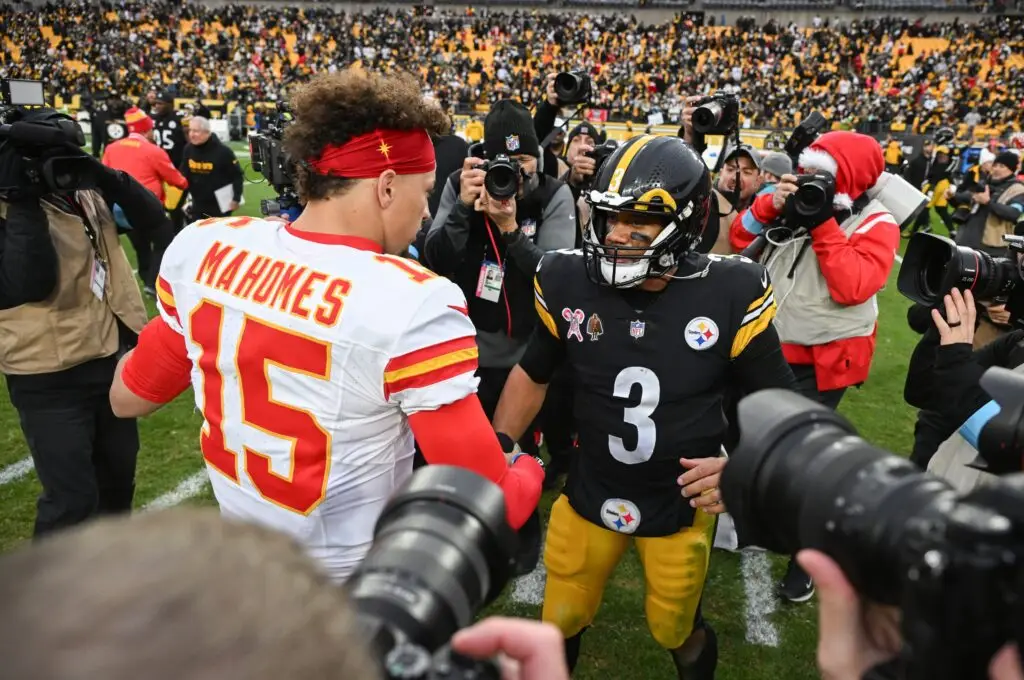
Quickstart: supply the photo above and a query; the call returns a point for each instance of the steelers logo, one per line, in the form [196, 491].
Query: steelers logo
[701, 333]
[115, 131]
[620, 515]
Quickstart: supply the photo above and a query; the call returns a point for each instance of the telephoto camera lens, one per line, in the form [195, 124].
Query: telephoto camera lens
[801, 478]
[708, 117]
[442, 550]
[502, 178]
[934, 265]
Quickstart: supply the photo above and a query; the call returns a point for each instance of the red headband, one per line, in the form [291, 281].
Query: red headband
[407, 152]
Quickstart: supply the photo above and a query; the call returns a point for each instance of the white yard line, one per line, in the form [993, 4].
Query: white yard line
[188, 488]
[757, 582]
[16, 471]
[899, 258]
[529, 589]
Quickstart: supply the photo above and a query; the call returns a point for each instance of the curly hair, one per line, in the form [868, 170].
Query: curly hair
[334, 108]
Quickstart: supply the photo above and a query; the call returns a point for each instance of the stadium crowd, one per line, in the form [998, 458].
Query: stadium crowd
[862, 72]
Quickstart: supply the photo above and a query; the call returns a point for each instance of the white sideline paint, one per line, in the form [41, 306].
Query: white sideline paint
[189, 487]
[16, 471]
[757, 582]
[529, 589]
[899, 258]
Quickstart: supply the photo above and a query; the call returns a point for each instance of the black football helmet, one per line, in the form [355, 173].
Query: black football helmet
[647, 175]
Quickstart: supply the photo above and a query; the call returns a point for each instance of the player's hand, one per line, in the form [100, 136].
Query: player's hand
[549, 89]
[853, 636]
[700, 483]
[502, 211]
[958, 326]
[783, 190]
[529, 650]
[583, 167]
[689, 107]
[471, 182]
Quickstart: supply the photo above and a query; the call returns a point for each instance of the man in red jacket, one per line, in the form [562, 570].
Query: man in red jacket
[140, 157]
[827, 268]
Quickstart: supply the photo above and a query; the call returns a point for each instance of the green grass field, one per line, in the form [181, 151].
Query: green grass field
[618, 647]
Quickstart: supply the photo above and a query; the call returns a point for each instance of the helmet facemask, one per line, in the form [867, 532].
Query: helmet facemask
[628, 266]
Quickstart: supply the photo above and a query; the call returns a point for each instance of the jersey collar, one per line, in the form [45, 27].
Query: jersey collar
[357, 242]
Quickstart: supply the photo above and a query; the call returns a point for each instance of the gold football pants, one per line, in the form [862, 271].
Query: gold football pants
[580, 556]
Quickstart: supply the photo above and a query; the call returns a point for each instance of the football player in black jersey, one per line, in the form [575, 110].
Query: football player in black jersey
[169, 134]
[654, 333]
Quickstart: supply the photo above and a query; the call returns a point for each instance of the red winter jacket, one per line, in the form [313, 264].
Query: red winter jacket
[854, 269]
[146, 162]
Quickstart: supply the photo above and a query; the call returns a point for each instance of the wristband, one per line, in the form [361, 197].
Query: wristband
[519, 455]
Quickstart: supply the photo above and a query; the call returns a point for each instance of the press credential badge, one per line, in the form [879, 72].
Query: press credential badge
[488, 286]
[99, 278]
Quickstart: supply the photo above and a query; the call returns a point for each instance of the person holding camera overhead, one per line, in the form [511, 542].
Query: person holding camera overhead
[67, 317]
[828, 262]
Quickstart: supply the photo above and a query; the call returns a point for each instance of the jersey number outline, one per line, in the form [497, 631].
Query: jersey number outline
[165, 139]
[259, 346]
[638, 416]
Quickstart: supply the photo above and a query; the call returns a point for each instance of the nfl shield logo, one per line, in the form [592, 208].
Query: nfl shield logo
[512, 143]
[636, 329]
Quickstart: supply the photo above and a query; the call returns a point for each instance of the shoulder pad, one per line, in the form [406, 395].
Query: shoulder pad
[554, 258]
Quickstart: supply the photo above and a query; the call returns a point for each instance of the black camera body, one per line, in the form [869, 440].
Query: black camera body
[501, 176]
[442, 550]
[42, 147]
[801, 478]
[933, 265]
[813, 194]
[804, 135]
[572, 87]
[268, 158]
[600, 154]
[718, 114]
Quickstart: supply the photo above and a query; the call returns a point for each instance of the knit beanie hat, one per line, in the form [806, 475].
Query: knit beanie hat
[137, 121]
[508, 129]
[584, 128]
[855, 160]
[1008, 159]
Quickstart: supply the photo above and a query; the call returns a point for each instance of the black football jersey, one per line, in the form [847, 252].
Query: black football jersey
[650, 371]
[169, 133]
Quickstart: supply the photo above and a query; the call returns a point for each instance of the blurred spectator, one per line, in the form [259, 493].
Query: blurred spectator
[139, 156]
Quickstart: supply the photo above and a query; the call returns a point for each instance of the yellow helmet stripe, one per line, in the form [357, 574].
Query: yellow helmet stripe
[627, 158]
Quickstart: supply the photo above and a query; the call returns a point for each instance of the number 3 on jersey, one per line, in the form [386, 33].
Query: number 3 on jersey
[260, 346]
[638, 416]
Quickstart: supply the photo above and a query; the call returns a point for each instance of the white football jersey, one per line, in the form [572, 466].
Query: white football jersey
[308, 352]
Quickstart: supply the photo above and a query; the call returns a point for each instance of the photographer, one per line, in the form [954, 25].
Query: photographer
[491, 247]
[827, 265]
[60, 350]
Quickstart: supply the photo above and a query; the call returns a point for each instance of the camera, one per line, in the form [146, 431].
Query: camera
[40, 149]
[813, 193]
[802, 478]
[718, 114]
[572, 87]
[600, 154]
[442, 550]
[934, 265]
[501, 178]
[804, 135]
[268, 158]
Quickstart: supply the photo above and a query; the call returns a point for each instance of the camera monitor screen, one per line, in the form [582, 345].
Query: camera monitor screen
[24, 93]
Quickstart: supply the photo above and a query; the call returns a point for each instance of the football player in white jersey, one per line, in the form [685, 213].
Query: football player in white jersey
[316, 353]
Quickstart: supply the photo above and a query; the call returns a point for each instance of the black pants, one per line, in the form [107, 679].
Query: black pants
[150, 244]
[85, 459]
[807, 385]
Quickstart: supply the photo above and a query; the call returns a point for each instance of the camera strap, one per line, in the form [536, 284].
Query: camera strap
[90, 230]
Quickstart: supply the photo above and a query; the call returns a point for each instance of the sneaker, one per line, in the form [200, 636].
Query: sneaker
[796, 585]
